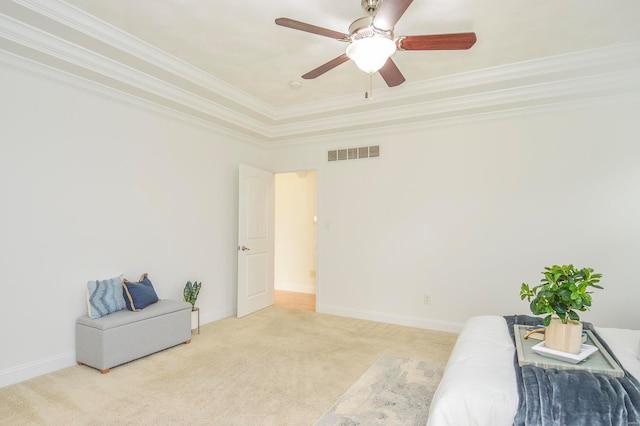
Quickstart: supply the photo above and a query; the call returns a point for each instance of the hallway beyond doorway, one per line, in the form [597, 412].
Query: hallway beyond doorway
[295, 300]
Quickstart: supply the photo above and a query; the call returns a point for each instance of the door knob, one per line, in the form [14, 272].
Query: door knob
[243, 248]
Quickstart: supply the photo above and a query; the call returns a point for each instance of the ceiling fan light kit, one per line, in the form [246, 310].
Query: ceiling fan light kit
[370, 47]
[371, 40]
[370, 54]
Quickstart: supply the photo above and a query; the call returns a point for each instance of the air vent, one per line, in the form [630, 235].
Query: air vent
[353, 153]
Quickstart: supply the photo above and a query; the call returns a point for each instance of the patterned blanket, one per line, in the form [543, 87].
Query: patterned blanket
[573, 397]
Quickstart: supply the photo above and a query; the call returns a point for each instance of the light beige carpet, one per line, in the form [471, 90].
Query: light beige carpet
[275, 367]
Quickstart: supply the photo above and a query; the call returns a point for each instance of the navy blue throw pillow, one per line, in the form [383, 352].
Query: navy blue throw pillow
[139, 295]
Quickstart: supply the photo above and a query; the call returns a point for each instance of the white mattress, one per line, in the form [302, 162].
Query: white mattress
[478, 386]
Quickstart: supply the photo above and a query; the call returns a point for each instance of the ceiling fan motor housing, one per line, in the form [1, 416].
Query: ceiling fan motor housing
[363, 28]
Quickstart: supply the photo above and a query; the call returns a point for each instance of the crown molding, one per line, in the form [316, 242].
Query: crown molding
[38, 70]
[631, 100]
[68, 52]
[545, 93]
[587, 62]
[587, 75]
[80, 20]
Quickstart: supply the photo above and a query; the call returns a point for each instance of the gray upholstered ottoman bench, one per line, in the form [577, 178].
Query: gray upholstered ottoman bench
[123, 336]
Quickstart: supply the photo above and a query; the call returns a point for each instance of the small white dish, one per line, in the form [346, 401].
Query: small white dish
[585, 352]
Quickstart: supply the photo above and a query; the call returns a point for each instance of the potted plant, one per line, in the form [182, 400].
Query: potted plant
[563, 292]
[190, 293]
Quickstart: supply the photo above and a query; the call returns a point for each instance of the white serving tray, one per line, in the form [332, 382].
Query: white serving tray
[585, 352]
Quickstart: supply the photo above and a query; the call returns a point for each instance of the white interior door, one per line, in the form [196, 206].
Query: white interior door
[255, 239]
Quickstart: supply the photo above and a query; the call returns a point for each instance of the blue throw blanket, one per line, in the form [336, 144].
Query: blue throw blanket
[573, 397]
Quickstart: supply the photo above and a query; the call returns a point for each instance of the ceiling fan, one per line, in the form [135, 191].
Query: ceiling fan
[371, 40]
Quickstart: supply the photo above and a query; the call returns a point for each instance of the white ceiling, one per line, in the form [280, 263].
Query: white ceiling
[227, 63]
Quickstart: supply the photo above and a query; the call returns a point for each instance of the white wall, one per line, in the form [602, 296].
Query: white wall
[465, 213]
[91, 188]
[295, 231]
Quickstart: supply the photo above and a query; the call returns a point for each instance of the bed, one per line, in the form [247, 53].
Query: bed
[480, 384]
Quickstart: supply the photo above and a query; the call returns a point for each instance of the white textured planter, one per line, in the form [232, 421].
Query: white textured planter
[195, 319]
[564, 337]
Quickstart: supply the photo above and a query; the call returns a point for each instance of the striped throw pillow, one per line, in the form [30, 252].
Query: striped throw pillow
[104, 297]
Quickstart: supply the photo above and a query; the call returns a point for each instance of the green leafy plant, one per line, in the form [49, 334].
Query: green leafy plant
[564, 290]
[191, 292]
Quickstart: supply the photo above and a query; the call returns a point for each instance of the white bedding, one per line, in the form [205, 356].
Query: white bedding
[478, 386]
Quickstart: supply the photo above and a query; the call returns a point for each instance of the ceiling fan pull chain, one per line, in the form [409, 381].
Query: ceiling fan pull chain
[368, 94]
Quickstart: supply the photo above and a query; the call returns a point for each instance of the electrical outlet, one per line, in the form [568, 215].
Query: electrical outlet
[427, 299]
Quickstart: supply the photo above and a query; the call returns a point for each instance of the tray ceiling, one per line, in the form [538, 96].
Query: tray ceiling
[226, 64]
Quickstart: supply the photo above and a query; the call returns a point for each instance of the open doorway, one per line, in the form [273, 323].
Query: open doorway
[295, 240]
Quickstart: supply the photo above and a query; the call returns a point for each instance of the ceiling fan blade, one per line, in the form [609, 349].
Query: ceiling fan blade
[391, 74]
[326, 67]
[389, 13]
[457, 41]
[297, 25]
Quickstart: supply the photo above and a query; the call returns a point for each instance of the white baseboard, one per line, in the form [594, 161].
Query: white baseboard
[207, 317]
[311, 289]
[427, 323]
[33, 369]
[37, 368]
